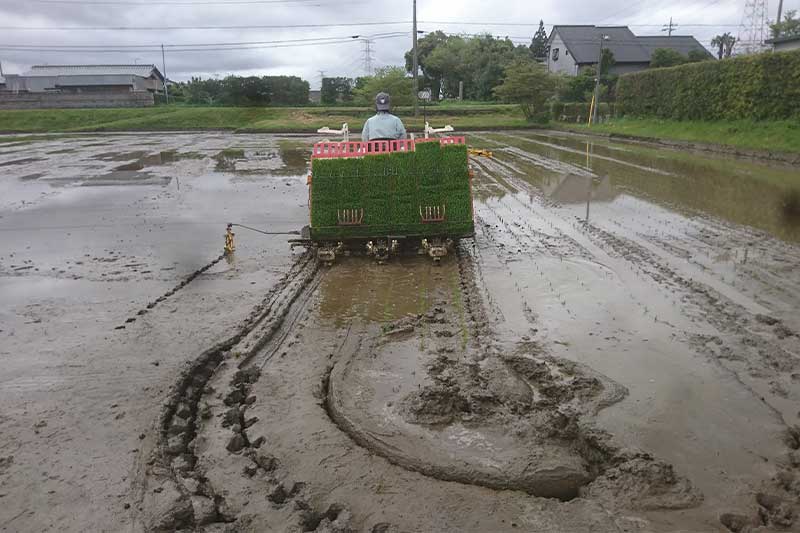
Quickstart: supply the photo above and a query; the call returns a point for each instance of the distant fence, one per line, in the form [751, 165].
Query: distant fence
[64, 100]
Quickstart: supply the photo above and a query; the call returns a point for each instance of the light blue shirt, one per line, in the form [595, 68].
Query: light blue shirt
[383, 126]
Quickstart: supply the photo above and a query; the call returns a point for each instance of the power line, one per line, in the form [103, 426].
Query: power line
[23, 48]
[166, 3]
[81, 47]
[308, 26]
[162, 28]
[321, 40]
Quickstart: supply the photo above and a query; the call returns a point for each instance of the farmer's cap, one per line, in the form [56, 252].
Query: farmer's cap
[383, 102]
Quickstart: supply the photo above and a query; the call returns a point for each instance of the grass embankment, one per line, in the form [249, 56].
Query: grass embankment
[256, 119]
[772, 136]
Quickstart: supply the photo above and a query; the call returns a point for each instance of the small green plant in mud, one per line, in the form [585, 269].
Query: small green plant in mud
[226, 159]
[231, 153]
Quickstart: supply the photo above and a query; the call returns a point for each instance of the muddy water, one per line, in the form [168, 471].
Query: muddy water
[750, 193]
[87, 245]
[398, 397]
[676, 249]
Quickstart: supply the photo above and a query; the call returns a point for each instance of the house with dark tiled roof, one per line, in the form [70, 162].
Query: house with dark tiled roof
[572, 48]
[785, 43]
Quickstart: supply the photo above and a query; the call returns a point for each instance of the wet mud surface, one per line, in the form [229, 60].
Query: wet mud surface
[616, 350]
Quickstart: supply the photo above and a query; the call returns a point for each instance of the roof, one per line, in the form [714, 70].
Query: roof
[785, 39]
[680, 43]
[144, 71]
[83, 80]
[583, 43]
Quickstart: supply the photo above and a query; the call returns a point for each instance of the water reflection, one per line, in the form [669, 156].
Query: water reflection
[764, 196]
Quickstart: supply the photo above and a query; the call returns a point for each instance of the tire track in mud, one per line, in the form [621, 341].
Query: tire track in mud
[172, 494]
[612, 473]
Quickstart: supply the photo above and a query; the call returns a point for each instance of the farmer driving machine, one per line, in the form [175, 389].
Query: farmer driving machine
[387, 196]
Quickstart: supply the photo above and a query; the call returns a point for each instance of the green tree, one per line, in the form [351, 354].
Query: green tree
[606, 61]
[287, 90]
[539, 43]
[479, 62]
[526, 82]
[666, 57]
[696, 56]
[392, 80]
[431, 75]
[724, 44]
[788, 27]
[446, 63]
[485, 60]
[578, 88]
[336, 90]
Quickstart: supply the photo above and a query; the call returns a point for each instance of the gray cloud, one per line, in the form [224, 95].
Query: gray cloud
[306, 61]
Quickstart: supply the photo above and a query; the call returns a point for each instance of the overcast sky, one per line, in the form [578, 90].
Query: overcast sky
[701, 18]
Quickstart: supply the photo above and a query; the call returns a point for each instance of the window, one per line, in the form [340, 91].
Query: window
[555, 54]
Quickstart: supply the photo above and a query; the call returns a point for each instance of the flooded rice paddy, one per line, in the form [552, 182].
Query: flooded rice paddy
[616, 350]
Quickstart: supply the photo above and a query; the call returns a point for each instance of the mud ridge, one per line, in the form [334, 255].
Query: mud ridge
[188, 279]
[259, 467]
[181, 497]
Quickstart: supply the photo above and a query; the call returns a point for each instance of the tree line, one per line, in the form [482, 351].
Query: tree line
[242, 91]
[480, 68]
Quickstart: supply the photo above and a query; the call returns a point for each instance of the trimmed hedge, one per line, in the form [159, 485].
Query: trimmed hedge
[757, 87]
[391, 188]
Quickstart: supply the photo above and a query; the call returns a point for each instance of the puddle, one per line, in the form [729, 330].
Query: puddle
[118, 156]
[126, 177]
[296, 156]
[572, 189]
[744, 192]
[357, 287]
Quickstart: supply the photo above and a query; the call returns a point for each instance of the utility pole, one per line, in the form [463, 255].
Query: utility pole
[164, 66]
[669, 27]
[780, 12]
[415, 63]
[597, 80]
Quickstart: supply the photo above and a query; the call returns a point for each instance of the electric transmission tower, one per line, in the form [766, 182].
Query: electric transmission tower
[367, 57]
[753, 29]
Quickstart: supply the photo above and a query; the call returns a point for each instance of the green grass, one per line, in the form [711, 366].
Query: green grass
[255, 119]
[774, 136]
